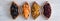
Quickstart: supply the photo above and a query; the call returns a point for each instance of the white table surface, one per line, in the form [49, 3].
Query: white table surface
[5, 8]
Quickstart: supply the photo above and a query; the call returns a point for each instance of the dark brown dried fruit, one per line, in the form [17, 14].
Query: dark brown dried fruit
[14, 10]
[35, 10]
[26, 10]
[47, 9]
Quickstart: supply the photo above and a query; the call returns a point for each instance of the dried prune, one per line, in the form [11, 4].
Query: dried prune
[26, 10]
[35, 10]
[14, 10]
[47, 10]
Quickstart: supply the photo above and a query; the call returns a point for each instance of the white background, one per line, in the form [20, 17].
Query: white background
[5, 10]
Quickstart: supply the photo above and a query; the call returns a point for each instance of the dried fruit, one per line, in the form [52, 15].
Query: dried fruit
[35, 10]
[47, 9]
[26, 10]
[14, 10]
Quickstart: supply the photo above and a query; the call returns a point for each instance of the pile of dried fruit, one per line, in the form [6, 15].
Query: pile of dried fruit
[35, 10]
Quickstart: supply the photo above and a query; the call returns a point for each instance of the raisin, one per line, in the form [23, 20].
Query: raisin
[35, 10]
[47, 10]
[26, 10]
[14, 10]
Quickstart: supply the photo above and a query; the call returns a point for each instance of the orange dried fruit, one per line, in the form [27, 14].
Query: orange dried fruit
[26, 10]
